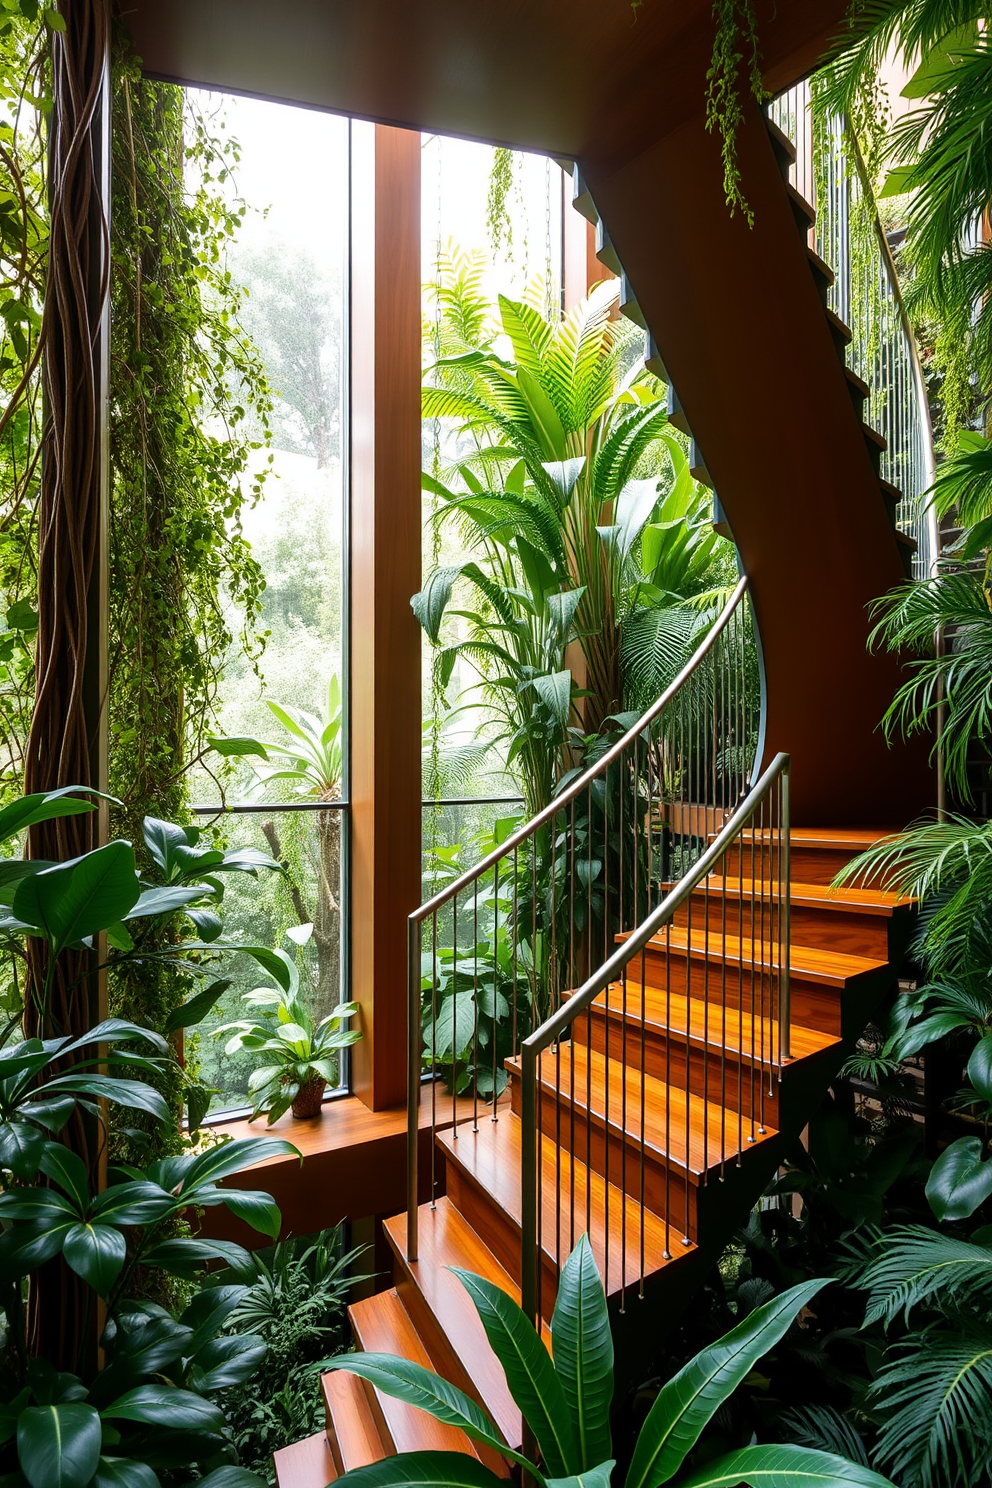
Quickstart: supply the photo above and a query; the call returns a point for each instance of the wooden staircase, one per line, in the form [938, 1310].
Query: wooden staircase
[697, 1017]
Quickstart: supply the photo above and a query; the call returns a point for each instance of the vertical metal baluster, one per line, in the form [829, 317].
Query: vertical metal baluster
[414, 1063]
[454, 1017]
[741, 869]
[688, 1096]
[433, 1059]
[623, 1141]
[668, 1084]
[475, 1003]
[571, 898]
[539, 1159]
[492, 1035]
[755, 1001]
[785, 1007]
[514, 940]
[765, 966]
[723, 1018]
[635, 835]
[644, 999]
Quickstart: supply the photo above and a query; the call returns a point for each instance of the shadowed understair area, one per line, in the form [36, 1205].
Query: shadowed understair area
[704, 1163]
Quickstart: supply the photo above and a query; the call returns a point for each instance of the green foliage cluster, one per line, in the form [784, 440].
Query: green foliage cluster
[24, 105]
[295, 1299]
[147, 1401]
[565, 1399]
[735, 48]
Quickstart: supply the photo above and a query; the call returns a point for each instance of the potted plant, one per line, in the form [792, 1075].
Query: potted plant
[298, 1052]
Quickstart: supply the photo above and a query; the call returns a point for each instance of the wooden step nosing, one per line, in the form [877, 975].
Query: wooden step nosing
[799, 968]
[698, 1040]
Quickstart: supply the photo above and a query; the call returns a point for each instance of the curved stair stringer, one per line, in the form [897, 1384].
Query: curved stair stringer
[846, 950]
[738, 320]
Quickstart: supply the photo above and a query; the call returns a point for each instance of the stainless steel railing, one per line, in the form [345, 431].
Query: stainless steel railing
[491, 955]
[719, 980]
[866, 295]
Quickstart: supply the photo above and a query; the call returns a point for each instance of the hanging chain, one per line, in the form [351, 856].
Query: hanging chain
[549, 292]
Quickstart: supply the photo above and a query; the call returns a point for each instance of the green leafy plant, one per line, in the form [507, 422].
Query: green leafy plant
[294, 1300]
[299, 1053]
[308, 762]
[933, 1393]
[150, 1404]
[565, 1399]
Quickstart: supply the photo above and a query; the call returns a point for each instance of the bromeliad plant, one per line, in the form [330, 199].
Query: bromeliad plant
[299, 1052]
[150, 1403]
[565, 1399]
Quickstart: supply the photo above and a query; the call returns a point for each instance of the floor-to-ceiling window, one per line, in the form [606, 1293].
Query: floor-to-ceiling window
[284, 684]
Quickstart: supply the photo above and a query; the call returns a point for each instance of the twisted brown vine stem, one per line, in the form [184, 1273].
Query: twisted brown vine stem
[71, 518]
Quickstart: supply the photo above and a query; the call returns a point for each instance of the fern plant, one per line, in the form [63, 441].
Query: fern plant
[933, 1393]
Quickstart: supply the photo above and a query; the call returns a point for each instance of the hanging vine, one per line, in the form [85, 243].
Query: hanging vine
[185, 388]
[499, 224]
[25, 101]
[735, 44]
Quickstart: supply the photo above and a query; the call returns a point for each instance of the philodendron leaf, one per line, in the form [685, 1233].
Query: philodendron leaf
[959, 1180]
[95, 1252]
[80, 897]
[530, 1374]
[423, 1470]
[980, 1068]
[124, 1472]
[784, 1467]
[691, 1397]
[58, 1446]
[44, 806]
[582, 1348]
[421, 1387]
[196, 1008]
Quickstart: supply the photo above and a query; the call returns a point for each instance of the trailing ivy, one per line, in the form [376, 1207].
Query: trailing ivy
[499, 224]
[735, 43]
[24, 104]
[185, 388]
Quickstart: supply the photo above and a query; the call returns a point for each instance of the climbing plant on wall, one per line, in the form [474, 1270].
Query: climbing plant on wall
[24, 104]
[186, 386]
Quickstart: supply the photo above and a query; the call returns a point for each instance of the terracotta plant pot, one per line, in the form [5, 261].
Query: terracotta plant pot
[308, 1099]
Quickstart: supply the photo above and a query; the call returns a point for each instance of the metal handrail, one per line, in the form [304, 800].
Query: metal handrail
[591, 773]
[553, 1028]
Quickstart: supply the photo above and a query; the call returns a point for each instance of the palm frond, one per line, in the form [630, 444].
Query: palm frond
[823, 1428]
[910, 1266]
[936, 1392]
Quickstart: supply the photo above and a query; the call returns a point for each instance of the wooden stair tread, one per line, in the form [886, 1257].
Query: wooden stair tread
[781, 140]
[832, 968]
[874, 437]
[843, 839]
[800, 205]
[842, 329]
[738, 1032]
[491, 1157]
[382, 1325]
[445, 1240]
[817, 263]
[812, 896]
[305, 1464]
[680, 1129]
[351, 1427]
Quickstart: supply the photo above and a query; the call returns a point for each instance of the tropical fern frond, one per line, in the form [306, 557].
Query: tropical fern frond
[825, 1429]
[910, 1266]
[936, 1394]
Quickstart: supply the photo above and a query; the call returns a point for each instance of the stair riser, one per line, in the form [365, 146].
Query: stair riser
[728, 1080]
[812, 865]
[813, 1005]
[848, 931]
[665, 1188]
[500, 1230]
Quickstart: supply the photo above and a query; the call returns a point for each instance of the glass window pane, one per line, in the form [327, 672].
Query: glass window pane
[290, 257]
[260, 911]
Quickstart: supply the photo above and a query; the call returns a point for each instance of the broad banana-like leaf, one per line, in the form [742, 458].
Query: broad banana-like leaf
[785, 1467]
[423, 1470]
[582, 1346]
[529, 1372]
[593, 1477]
[685, 1405]
[415, 1385]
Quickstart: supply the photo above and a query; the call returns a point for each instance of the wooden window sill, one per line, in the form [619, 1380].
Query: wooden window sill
[354, 1165]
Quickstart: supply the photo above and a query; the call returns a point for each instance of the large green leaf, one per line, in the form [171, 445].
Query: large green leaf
[582, 1348]
[230, 1157]
[196, 1008]
[423, 1388]
[124, 1472]
[593, 1477]
[529, 1372]
[229, 1476]
[21, 1147]
[165, 1405]
[222, 1362]
[689, 1400]
[95, 1252]
[44, 806]
[187, 1257]
[58, 1446]
[980, 1067]
[422, 1470]
[959, 1180]
[784, 1467]
[80, 897]
[133, 1093]
[256, 1208]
